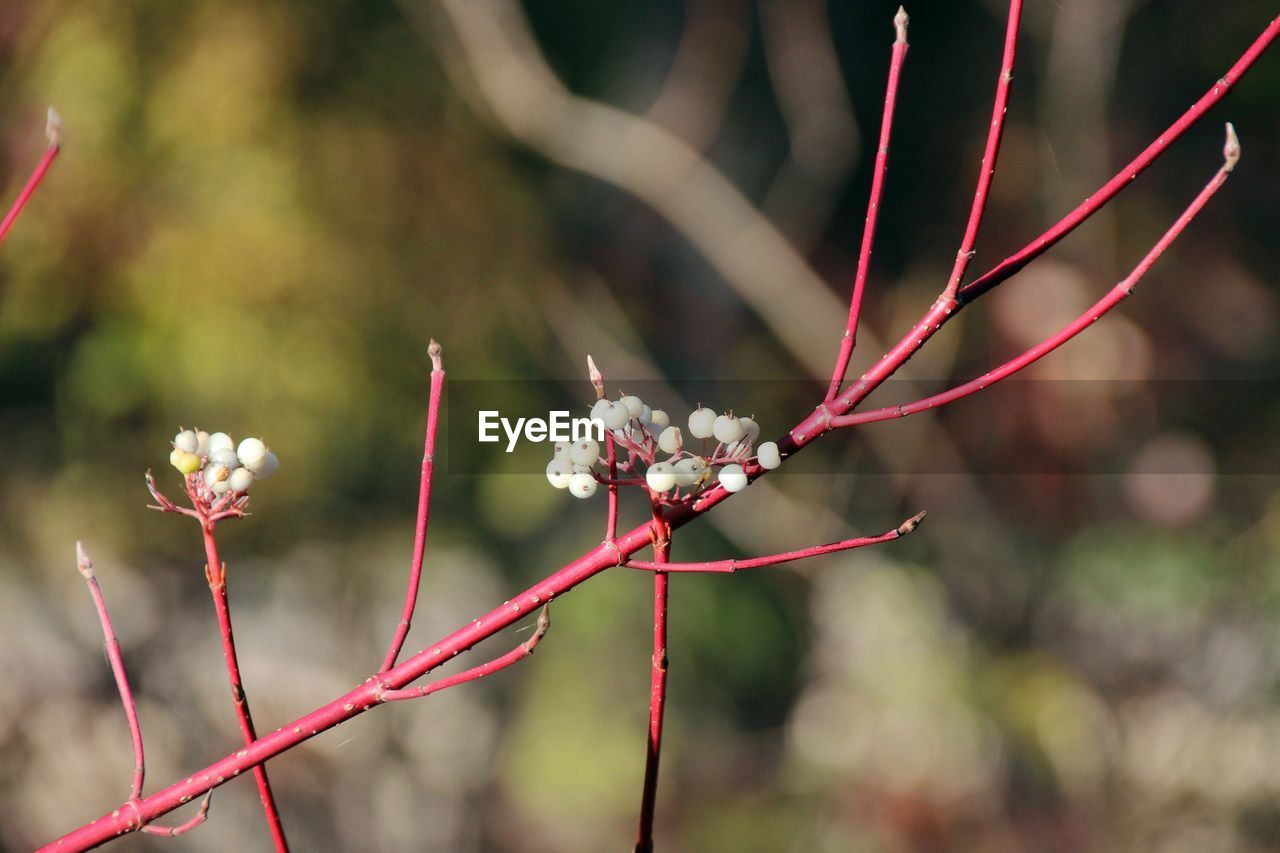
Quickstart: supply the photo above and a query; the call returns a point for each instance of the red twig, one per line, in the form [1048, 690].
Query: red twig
[850, 339]
[216, 573]
[1000, 106]
[611, 454]
[116, 659]
[424, 509]
[52, 131]
[1114, 297]
[730, 566]
[519, 653]
[1007, 268]
[85, 565]
[657, 683]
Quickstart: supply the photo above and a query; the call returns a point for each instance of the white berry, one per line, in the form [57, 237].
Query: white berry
[562, 449]
[702, 423]
[659, 419]
[733, 478]
[727, 429]
[251, 451]
[616, 416]
[240, 480]
[670, 440]
[202, 443]
[225, 456]
[661, 476]
[559, 471]
[585, 452]
[582, 485]
[751, 428]
[768, 456]
[186, 441]
[635, 406]
[688, 471]
[220, 441]
[215, 473]
[267, 467]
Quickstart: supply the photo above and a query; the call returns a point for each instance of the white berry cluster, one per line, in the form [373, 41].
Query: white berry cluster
[653, 453]
[223, 466]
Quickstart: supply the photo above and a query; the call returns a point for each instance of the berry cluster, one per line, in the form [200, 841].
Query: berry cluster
[214, 465]
[641, 435]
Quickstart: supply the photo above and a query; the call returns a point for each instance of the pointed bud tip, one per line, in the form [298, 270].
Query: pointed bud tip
[83, 562]
[53, 127]
[911, 524]
[1231, 150]
[900, 21]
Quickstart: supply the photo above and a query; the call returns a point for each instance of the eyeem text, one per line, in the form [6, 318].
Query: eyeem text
[558, 426]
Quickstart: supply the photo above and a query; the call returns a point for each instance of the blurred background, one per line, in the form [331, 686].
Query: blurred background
[263, 211]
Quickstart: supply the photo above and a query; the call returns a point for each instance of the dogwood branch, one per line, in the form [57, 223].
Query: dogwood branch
[116, 658]
[896, 59]
[657, 682]
[1231, 155]
[519, 653]
[731, 566]
[424, 508]
[52, 132]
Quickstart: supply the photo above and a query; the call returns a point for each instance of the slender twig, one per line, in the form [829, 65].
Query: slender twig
[424, 508]
[881, 168]
[1007, 268]
[1231, 155]
[519, 653]
[116, 658]
[999, 107]
[216, 573]
[611, 456]
[730, 566]
[52, 132]
[657, 683]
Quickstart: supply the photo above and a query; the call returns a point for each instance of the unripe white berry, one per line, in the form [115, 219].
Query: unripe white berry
[186, 441]
[660, 476]
[582, 485]
[768, 456]
[221, 487]
[267, 467]
[599, 408]
[660, 419]
[562, 449]
[251, 451]
[582, 469]
[558, 473]
[670, 440]
[646, 415]
[702, 423]
[634, 405]
[220, 441]
[215, 473]
[616, 416]
[240, 480]
[751, 428]
[688, 471]
[187, 463]
[727, 429]
[225, 456]
[202, 443]
[585, 452]
[733, 478]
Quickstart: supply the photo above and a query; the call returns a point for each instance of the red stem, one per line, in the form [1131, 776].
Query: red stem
[1075, 327]
[114, 656]
[1007, 268]
[730, 566]
[216, 573]
[999, 108]
[881, 168]
[424, 509]
[519, 653]
[33, 182]
[657, 684]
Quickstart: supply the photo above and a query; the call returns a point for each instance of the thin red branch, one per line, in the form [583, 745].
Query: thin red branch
[1113, 298]
[657, 684]
[881, 168]
[52, 130]
[999, 108]
[116, 659]
[519, 653]
[730, 566]
[216, 573]
[183, 828]
[424, 509]
[1007, 268]
[611, 455]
